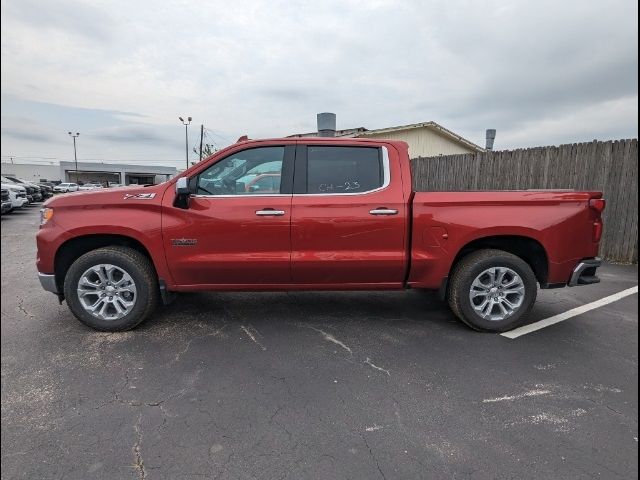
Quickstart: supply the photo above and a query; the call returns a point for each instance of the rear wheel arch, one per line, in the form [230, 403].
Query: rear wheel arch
[527, 248]
[75, 247]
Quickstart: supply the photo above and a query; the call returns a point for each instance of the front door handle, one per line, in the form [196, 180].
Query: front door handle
[270, 212]
[383, 211]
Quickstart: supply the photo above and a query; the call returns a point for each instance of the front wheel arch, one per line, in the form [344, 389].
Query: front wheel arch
[74, 248]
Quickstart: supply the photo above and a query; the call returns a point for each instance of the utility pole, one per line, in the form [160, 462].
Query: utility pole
[201, 136]
[186, 136]
[75, 154]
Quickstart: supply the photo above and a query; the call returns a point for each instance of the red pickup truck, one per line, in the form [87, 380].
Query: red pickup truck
[335, 214]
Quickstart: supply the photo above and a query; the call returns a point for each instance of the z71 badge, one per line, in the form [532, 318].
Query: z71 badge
[139, 196]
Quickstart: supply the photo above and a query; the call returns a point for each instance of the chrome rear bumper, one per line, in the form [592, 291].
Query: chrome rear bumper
[585, 272]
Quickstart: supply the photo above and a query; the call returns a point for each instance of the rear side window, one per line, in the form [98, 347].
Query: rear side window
[343, 169]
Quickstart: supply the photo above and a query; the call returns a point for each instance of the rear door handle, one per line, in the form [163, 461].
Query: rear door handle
[270, 212]
[383, 211]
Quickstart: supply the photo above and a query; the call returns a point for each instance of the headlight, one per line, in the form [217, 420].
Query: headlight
[16, 190]
[46, 214]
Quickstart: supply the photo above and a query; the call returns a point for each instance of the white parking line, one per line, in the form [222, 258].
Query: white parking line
[518, 332]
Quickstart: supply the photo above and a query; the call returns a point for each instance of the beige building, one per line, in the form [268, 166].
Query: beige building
[428, 139]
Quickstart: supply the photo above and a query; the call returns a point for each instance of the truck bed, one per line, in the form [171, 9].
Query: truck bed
[560, 221]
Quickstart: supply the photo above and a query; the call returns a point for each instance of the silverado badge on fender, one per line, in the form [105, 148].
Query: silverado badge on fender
[183, 242]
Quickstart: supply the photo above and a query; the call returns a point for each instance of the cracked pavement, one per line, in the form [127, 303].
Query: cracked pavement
[355, 385]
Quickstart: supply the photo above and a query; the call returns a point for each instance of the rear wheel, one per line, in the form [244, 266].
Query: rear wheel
[111, 288]
[492, 290]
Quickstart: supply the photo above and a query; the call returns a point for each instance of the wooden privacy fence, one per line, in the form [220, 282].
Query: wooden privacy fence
[610, 167]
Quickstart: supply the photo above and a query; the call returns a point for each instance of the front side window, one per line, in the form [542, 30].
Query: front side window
[343, 169]
[253, 171]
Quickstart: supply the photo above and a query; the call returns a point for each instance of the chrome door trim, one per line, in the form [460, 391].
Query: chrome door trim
[254, 195]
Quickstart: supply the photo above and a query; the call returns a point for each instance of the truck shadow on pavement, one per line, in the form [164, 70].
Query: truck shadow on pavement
[374, 309]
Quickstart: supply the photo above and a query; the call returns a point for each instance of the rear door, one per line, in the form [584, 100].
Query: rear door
[349, 216]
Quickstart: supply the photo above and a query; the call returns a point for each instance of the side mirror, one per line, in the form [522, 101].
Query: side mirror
[182, 186]
[182, 193]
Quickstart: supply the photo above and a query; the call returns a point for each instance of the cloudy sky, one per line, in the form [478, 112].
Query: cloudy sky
[121, 72]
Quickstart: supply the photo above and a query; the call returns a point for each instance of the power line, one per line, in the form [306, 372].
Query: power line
[226, 139]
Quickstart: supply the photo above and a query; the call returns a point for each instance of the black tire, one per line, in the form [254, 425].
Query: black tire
[466, 271]
[135, 264]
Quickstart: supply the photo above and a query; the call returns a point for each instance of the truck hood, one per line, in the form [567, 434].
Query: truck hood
[109, 196]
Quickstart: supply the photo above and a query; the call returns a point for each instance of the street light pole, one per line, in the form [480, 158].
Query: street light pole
[75, 154]
[186, 136]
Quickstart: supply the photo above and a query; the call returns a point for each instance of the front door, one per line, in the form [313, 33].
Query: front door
[349, 219]
[236, 230]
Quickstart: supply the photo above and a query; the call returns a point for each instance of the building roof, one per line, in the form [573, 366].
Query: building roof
[431, 125]
[347, 132]
[364, 132]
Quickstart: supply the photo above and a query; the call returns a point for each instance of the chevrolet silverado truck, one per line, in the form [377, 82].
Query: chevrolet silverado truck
[336, 214]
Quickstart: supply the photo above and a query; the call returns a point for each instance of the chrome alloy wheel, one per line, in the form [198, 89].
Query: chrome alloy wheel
[107, 292]
[497, 293]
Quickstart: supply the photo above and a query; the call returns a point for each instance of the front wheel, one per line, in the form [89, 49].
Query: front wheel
[111, 288]
[492, 290]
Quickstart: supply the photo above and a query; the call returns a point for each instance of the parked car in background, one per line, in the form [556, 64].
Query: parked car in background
[47, 191]
[90, 186]
[66, 187]
[33, 192]
[6, 201]
[114, 185]
[17, 195]
[38, 194]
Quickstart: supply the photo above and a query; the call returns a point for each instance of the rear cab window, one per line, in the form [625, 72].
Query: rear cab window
[342, 170]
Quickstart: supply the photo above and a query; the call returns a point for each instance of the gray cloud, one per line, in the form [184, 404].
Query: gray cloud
[70, 16]
[122, 72]
[133, 134]
[28, 136]
[287, 94]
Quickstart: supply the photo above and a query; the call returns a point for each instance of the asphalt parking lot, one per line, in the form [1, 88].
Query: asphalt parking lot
[314, 385]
